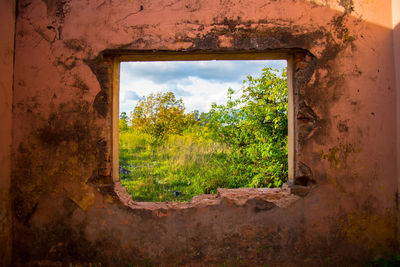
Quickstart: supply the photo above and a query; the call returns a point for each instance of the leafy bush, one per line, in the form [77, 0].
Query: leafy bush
[123, 122]
[255, 126]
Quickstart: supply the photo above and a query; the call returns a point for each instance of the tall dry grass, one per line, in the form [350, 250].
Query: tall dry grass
[179, 168]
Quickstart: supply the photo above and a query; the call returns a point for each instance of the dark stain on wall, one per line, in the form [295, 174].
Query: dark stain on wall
[58, 8]
[304, 175]
[64, 241]
[259, 204]
[69, 132]
[75, 44]
[348, 5]
[102, 69]
[206, 42]
[81, 85]
[306, 120]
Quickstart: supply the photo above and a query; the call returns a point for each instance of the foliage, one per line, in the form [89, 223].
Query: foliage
[123, 122]
[123, 116]
[159, 114]
[255, 126]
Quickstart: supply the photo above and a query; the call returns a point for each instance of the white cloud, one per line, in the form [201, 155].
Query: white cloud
[198, 83]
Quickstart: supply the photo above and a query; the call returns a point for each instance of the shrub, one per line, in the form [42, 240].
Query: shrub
[255, 126]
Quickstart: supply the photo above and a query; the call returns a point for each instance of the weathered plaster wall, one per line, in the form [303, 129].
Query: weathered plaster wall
[7, 27]
[64, 205]
[396, 57]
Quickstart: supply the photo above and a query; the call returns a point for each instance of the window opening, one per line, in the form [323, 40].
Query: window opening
[189, 127]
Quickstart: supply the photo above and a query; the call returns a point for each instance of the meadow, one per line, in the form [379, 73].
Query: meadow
[181, 167]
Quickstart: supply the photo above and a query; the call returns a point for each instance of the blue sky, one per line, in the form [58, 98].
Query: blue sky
[198, 83]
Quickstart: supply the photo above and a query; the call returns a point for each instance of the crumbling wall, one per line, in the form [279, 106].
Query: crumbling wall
[7, 26]
[65, 206]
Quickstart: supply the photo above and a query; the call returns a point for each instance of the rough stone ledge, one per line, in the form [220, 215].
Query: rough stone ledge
[281, 197]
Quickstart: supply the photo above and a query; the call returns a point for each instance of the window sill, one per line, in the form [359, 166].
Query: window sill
[260, 198]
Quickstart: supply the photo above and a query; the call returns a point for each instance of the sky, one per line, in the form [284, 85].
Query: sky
[198, 83]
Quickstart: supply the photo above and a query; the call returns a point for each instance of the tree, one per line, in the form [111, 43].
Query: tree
[255, 126]
[159, 114]
[123, 122]
[123, 116]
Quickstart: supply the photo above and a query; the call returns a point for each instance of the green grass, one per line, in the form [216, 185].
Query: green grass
[191, 163]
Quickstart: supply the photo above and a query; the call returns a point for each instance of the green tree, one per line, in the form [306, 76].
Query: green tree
[123, 116]
[255, 126]
[159, 114]
[123, 122]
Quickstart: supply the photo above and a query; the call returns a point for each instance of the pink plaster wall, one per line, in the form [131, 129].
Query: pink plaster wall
[396, 57]
[65, 212]
[7, 27]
